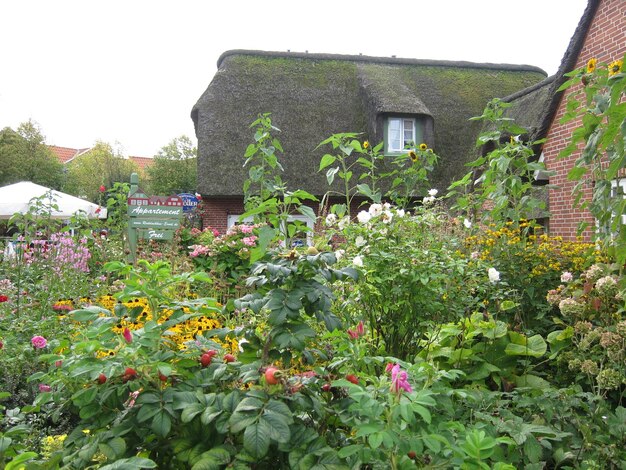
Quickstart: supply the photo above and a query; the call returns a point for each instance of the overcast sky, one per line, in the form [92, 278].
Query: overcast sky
[129, 71]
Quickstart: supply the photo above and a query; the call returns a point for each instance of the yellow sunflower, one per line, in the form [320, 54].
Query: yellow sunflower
[412, 156]
[423, 146]
[366, 144]
[615, 67]
[591, 65]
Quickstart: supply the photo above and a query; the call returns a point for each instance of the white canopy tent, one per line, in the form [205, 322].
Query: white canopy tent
[18, 197]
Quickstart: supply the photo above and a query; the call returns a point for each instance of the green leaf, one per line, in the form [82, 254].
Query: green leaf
[535, 346]
[18, 462]
[256, 439]
[161, 423]
[130, 464]
[330, 175]
[326, 161]
[278, 425]
[5, 442]
[347, 451]
[190, 412]
[478, 445]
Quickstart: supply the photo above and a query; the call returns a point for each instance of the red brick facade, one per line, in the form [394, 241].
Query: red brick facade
[214, 211]
[606, 41]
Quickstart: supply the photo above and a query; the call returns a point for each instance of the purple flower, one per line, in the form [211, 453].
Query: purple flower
[44, 388]
[399, 380]
[39, 342]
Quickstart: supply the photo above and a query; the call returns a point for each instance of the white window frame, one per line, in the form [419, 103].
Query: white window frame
[403, 128]
[621, 182]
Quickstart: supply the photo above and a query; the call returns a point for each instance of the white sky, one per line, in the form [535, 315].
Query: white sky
[129, 71]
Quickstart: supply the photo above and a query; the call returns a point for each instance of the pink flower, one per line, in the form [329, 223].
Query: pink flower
[358, 331]
[44, 388]
[3, 298]
[246, 228]
[128, 336]
[399, 380]
[389, 367]
[249, 241]
[39, 342]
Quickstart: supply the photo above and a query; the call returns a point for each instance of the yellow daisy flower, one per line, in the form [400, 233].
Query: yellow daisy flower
[423, 146]
[591, 65]
[615, 67]
[366, 144]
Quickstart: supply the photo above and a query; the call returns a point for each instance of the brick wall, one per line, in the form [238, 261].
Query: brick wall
[606, 41]
[214, 211]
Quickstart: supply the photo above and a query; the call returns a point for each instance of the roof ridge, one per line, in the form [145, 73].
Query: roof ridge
[380, 60]
[529, 90]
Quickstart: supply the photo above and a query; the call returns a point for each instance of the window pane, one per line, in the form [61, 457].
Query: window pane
[394, 135]
[409, 137]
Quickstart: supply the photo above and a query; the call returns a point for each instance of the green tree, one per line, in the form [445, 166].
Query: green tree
[101, 166]
[25, 157]
[174, 168]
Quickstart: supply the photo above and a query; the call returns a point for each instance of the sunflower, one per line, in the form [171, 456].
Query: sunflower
[591, 65]
[366, 144]
[615, 67]
[412, 156]
[423, 146]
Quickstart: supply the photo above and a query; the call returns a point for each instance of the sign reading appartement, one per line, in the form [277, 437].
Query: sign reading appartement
[154, 211]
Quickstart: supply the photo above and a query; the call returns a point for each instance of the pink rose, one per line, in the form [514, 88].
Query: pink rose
[39, 342]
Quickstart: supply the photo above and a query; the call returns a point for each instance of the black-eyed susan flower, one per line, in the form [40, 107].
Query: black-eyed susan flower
[591, 65]
[366, 144]
[412, 156]
[423, 146]
[615, 67]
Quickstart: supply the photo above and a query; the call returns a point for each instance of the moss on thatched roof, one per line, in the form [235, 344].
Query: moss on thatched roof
[312, 96]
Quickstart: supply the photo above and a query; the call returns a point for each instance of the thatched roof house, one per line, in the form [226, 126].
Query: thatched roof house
[312, 96]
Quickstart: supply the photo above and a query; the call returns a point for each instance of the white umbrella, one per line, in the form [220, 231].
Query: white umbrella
[18, 197]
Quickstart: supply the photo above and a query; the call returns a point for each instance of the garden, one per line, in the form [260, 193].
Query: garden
[435, 328]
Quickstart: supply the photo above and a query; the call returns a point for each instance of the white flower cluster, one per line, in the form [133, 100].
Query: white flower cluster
[384, 211]
[431, 198]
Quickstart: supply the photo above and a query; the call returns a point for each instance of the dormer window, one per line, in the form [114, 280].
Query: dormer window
[403, 133]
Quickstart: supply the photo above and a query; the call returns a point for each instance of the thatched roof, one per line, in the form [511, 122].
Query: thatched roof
[312, 96]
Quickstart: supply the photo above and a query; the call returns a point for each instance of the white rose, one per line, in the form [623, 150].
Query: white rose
[363, 217]
[360, 241]
[358, 261]
[467, 223]
[375, 210]
[331, 219]
[432, 192]
[494, 275]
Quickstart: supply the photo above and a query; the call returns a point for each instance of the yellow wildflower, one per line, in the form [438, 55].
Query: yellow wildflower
[615, 67]
[591, 65]
[423, 146]
[366, 144]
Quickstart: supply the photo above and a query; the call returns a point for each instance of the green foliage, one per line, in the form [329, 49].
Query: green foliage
[500, 186]
[101, 166]
[357, 165]
[596, 102]
[266, 198]
[25, 157]
[174, 169]
[410, 178]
